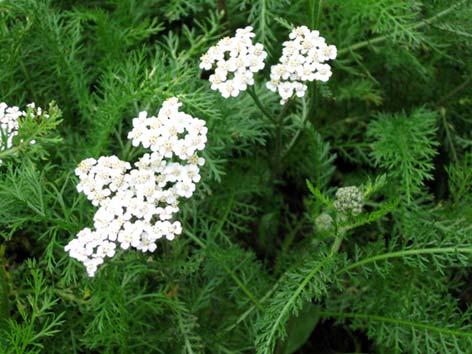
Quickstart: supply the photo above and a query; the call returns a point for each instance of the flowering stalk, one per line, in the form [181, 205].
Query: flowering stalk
[278, 139]
[303, 60]
[294, 139]
[265, 113]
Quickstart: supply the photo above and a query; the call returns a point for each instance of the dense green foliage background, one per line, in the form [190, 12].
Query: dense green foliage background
[253, 270]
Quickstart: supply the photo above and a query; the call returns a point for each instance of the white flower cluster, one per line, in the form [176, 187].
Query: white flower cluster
[349, 200]
[136, 204]
[10, 118]
[236, 59]
[303, 59]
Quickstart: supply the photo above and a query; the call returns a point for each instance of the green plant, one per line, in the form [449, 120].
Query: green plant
[342, 214]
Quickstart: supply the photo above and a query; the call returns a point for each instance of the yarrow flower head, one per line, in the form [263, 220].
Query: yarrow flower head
[235, 60]
[349, 200]
[136, 204]
[303, 59]
[10, 119]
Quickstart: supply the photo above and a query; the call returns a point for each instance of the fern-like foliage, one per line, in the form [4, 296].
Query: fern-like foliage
[413, 311]
[37, 320]
[307, 281]
[405, 146]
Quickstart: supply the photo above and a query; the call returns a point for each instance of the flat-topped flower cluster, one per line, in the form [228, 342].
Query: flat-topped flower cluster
[303, 59]
[235, 61]
[136, 204]
[349, 200]
[10, 118]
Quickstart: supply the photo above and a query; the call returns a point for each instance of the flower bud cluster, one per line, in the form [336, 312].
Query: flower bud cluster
[349, 200]
[235, 61]
[10, 118]
[136, 204]
[324, 222]
[303, 59]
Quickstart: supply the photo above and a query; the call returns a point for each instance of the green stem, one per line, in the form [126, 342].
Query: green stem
[376, 318]
[252, 92]
[278, 141]
[297, 134]
[415, 26]
[314, 9]
[316, 22]
[311, 11]
[448, 135]
[336, 244]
